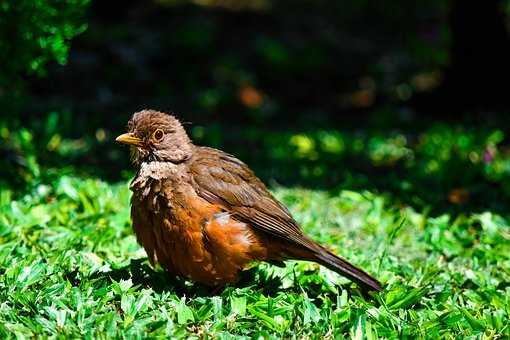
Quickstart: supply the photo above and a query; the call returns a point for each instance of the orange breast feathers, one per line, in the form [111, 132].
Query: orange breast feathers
[199, 241]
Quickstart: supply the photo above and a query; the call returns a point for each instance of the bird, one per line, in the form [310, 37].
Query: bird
[202, 214]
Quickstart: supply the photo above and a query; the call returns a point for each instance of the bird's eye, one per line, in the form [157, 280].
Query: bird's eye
[158, 135]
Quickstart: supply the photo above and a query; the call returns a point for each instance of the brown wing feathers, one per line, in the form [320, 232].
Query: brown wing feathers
[222, 179]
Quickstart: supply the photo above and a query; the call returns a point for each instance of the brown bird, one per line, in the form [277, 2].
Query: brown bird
[204, 215]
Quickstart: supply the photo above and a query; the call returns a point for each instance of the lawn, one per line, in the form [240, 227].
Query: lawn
[70, 267]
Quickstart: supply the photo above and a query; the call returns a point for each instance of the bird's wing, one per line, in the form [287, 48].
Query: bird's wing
[222, 179]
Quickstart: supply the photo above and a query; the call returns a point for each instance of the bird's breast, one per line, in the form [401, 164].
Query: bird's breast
[188, 235]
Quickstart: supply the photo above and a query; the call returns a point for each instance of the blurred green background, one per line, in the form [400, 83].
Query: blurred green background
[405, 98]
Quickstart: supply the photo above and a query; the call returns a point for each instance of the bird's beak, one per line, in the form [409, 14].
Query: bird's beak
[129, 139]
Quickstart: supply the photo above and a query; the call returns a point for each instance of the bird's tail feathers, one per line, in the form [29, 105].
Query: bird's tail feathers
[342, 267]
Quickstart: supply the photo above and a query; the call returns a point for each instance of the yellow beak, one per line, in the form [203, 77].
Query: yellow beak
[129, 139]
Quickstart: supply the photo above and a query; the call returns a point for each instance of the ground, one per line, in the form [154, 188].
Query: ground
[70, 267]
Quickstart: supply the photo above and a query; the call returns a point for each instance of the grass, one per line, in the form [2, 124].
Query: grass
[70, 267]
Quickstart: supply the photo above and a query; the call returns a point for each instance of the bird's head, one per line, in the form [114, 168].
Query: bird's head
[156, 136]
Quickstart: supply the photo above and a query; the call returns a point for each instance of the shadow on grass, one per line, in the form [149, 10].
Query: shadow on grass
[143, 275]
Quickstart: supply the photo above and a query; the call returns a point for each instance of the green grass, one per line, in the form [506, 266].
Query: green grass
[70, 267]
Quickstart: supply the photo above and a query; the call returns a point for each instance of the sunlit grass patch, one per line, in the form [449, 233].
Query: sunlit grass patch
[70, 266]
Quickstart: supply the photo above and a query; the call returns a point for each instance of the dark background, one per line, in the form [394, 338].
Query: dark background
[405, 98]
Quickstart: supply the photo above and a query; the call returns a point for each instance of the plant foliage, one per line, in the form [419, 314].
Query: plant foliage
[34, 32]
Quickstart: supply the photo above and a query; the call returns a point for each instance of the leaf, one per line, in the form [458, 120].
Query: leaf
[310, 312]
[122, 286]
[39, 215]
[238, 305]
[31, 275]
[475, 324]
[404, 299]
[267, 320]
[127, 304]
[184, 313]
[67, 188]
[217, 307]
[358, 333]
[144, 301]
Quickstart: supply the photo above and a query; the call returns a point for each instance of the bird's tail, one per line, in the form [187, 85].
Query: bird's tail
[342, 267]
[316, 253]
